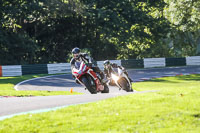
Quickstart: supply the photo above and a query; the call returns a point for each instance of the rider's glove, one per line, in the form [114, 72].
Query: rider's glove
[88, 64]
[123, 69]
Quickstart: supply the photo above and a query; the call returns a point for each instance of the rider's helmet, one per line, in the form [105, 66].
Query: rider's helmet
[106, 63]
[76, 52]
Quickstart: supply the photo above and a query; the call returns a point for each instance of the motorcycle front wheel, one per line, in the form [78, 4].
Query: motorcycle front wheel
[89, 87]
[125, 85]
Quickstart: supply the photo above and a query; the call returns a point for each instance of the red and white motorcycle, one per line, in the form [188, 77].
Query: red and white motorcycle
[88, 78]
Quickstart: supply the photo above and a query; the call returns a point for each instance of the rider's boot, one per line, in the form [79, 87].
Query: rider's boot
[104, 81]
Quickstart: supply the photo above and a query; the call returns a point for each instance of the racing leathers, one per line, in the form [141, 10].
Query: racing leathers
[88, 61]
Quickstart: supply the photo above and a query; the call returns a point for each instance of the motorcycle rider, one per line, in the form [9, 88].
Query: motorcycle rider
[108, 68]
[79, 57]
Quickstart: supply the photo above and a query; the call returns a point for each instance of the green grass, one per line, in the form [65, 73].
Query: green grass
[7, 87]
[175, 108]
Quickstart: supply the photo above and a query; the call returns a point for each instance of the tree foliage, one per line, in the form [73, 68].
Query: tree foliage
[45, 31]
[184, 16]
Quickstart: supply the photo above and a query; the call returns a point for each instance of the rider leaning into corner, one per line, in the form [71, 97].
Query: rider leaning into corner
[78, 57]
[108, 68]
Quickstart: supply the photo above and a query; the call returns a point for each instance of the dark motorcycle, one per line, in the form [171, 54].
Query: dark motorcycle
[88, 78]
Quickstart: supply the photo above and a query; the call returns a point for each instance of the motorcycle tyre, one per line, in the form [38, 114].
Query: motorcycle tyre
[88, 86]
[124, 84]
[106, 89]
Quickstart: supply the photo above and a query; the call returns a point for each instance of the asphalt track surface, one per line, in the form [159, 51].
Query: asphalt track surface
[21, 105]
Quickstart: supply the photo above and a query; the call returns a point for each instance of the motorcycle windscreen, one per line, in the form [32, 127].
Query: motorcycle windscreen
[80, 66]
[77, 65]
[115, 70]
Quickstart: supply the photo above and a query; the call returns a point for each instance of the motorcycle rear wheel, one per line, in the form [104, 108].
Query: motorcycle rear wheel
[106, 89]
[91, 89]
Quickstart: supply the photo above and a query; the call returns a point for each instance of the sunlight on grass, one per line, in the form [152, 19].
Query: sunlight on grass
[175, 108]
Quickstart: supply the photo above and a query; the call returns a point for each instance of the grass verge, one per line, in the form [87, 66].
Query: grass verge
[7, 87]
[174, 108]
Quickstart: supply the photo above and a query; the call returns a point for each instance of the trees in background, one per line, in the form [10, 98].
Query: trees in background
[184, 17]
[45, 31]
